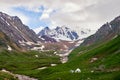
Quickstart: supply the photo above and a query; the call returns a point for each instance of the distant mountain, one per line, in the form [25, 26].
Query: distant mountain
[65, 33]
[59, 33]
[13, 27]
[107, 32]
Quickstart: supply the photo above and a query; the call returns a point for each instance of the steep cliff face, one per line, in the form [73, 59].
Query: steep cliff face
[106, 32]
[13, 27]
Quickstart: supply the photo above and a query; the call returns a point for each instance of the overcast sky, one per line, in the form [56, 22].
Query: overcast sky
[75, 13]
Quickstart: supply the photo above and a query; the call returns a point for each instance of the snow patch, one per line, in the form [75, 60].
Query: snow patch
[79, 42]
[53, 64]
[7, 23]
[38, 48]
[9, 48]
[2, 18]
[42, 38]
[65, 46]
[42, 68]
[29, 43]
[110, 26]
[71, 41]
[55, 53]
[36, 56]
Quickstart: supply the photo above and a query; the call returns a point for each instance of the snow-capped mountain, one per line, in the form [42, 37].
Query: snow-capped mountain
[59, 33]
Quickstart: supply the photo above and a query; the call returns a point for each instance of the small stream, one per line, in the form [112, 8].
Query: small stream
[64, 57]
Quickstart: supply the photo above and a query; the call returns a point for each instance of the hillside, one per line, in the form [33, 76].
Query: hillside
[6, 76]
[19, 33]
[26, 63]
[7, 43]
[106, 32]
[99, 63]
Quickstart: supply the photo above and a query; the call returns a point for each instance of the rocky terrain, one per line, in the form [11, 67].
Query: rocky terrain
[107, 31]
[13, 27]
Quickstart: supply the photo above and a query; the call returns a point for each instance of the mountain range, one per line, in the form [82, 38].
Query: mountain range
[64, 33]
[26, 39]
[23, 37]
[85, 56]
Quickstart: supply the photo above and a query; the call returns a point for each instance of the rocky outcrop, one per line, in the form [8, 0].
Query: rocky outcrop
[105, 33]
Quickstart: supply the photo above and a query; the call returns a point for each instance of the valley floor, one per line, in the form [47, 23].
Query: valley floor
[98, 62]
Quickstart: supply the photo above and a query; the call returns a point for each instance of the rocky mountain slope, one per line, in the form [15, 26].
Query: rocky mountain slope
[105, 33]
[19, 33]
[7, 43]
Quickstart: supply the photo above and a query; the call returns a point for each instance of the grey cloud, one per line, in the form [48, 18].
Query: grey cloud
[88, 13]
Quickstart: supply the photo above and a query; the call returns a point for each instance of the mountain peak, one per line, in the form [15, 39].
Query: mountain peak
[47, 28]
[106, 32]
[62, 33]
[57, 28]
[64, 27]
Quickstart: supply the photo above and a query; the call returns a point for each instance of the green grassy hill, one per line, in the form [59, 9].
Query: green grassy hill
[106, 65]
[26, 62]
[6, 76]
[96, 62]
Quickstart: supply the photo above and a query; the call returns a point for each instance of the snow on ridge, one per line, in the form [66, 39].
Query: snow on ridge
[7, 23]
[59, 33]
[2, 18]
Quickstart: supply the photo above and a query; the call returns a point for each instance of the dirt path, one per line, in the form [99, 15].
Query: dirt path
[20, 77]
[23, 77]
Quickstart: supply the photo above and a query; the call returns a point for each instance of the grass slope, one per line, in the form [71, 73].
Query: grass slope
[106, 67]
[6, 76]
[25, 62]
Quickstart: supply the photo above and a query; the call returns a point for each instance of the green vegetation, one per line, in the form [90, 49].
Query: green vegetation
[96, 62]
[105, 67]
[6, 76]
[26, 62]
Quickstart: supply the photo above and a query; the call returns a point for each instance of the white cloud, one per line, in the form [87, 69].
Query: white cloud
[83, 13]
[46, 14]
[11, 12]
[53, 24]
[37, 30]
[71, 7]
